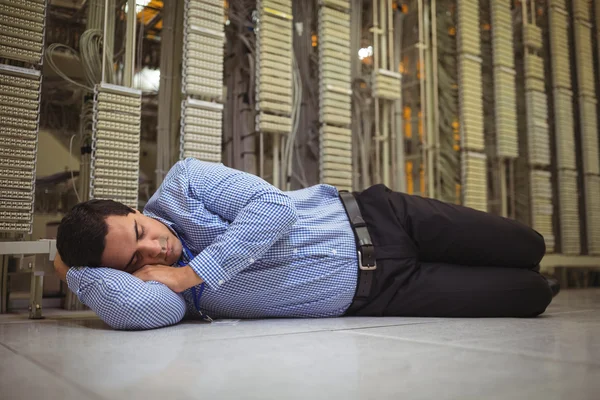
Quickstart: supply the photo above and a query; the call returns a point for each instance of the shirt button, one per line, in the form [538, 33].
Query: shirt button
[251, 260]
[221, 282]
[334, 252]
[295, 251]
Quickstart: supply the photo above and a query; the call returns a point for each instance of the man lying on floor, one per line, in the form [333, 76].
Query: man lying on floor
[216, 242]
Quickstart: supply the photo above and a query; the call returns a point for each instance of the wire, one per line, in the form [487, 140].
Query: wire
[246, 42]
[49, 58]
[91, 43]
[71, 169]
[296, 104]
[89, 57]
[139, 55]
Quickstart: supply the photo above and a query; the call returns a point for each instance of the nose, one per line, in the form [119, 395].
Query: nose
[151, 249]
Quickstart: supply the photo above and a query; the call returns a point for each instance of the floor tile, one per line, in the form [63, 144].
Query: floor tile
[223, 329]
[556, 356]
[569, 337]
[21, 378]
[175, 364]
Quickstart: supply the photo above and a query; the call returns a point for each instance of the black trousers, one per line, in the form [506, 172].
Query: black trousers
[436, 259]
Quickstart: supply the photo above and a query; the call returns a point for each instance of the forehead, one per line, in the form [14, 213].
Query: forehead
[120, 241]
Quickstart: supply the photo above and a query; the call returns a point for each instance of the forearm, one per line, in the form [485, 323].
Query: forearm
[124, 301]
[258, 215]
[255, 230]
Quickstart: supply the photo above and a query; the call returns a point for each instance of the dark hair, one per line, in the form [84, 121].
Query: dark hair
[80, 239]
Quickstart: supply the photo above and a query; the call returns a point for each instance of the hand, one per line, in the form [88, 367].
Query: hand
[176, 279]
[60, 268]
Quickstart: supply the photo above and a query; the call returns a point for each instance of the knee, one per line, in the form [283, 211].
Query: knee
[538, 297]
[539, 247]
[533, 246]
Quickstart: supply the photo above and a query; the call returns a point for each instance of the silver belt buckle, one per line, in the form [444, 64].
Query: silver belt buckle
[365, 267]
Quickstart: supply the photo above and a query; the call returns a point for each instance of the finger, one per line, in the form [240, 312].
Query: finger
[145, 268]
[139, 273]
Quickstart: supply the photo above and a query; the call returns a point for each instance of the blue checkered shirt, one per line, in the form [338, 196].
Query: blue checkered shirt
[260, 251]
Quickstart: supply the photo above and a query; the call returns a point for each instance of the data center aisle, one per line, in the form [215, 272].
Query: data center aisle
[75, 356]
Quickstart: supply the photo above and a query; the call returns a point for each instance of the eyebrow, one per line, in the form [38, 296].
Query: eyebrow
[137, 236]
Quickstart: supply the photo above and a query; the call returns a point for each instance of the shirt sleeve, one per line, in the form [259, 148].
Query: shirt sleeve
[259, 215]
[125, 302]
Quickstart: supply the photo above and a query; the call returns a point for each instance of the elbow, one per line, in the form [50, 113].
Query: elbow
[148, 316]
[276, 203]
[124, 302]
[154, 309]
[291, 212]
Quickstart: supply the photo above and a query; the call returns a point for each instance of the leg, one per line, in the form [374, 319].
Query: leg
[444, 290]
[443, 232]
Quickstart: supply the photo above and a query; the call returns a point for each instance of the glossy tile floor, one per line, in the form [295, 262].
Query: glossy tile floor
[75, 356]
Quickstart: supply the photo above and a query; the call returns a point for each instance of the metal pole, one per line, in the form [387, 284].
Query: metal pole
[129, 64]
[84, 177]
[36, 292]
[422, 92]
[3, 283]
[532, 6]
[429, 105]
[436, 99]
[104, 41]
[513, 200]
[355, 65]
[400, 181]
[261, 155]
[276, 140]
[503, 187]
[384, 130]
[168, 73]
[377, 169]
[385, 141]
[173, 138]
[390, 33]
[382, 35]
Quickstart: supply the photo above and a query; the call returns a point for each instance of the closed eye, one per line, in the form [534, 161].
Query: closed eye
[133, 265]
[134, 258]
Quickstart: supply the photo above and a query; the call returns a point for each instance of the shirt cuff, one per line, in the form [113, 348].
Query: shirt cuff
[209, 270]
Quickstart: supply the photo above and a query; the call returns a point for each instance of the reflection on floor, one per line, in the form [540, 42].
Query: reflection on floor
[66, 356]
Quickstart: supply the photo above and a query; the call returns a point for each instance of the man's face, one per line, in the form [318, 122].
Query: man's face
[136, 240]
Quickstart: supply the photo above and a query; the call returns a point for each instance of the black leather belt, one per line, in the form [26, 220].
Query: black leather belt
[366, 251]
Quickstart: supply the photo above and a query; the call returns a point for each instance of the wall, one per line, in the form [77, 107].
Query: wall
[53, 156]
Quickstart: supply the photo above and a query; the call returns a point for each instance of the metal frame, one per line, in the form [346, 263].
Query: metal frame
[588, 124]
[473, 160]
[532, 173]
[21, 249]
[335, 144]
[22, 32]
[274, 79]
[202, 69]
[564, 133]
[565, 261]
[117, 124]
